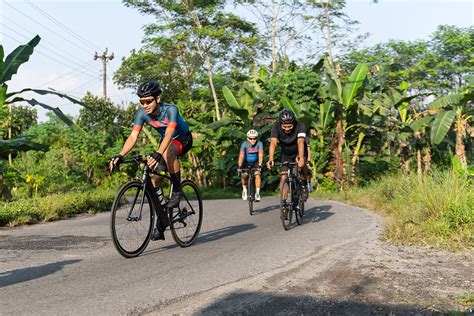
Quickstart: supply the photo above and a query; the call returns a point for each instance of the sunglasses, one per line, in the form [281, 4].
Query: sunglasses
[146, 101]
[255, 138]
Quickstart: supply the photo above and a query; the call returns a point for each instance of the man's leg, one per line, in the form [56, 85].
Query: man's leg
[257, 185]
[244, 185]
[174, 168]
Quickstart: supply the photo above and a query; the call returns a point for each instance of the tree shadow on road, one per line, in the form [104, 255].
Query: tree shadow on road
[261, 303]
[31, 273]
[317, 214]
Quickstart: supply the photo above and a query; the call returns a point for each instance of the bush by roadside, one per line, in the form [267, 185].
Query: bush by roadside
[436, 210]
[56, 206]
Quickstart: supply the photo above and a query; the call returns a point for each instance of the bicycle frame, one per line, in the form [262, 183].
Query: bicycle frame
[293, 181]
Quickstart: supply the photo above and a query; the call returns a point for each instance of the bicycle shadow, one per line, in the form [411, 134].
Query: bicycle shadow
[266, 209]
[209, 236]
[224, 232]
[317, 214]
[27, 274]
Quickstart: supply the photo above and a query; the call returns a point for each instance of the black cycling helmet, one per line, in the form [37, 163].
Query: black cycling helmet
[150, 88]
[286, 117]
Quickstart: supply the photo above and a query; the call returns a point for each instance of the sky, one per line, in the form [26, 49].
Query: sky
[72, 31]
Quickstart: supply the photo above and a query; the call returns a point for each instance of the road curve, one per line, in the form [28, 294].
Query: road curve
[71, 266]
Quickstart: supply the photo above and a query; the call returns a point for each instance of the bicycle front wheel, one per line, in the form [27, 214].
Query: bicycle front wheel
[132, 219]
[286, 212]
[186, 219]
[251, 195]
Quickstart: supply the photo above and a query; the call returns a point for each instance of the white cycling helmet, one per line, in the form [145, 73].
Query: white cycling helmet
[252, 133]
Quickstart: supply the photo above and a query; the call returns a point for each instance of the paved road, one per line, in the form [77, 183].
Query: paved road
[71, 266]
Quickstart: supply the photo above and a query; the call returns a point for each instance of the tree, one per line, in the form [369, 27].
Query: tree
[196, 35]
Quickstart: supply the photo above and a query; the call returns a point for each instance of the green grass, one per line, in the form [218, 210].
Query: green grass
[56, 206]
[437, 210]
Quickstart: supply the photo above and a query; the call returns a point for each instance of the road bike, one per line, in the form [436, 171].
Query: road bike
[251, 185]
[136, 210]
[292, 202]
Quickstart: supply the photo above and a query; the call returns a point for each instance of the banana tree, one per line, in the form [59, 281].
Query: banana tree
[342, 97]
[9, 66]
[453, 111]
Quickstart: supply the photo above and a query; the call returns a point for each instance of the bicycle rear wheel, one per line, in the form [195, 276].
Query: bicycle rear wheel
[251, 196]
[286, 213]
[132, 219]
[296, 198]
[186, 219]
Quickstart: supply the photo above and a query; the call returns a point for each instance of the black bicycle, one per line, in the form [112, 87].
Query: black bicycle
[291, 197]
[136, 211]
[251, 185]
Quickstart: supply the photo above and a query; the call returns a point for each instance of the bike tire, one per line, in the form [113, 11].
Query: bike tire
[186, 218]
[131, 234]
[286, 213]
[251, 196]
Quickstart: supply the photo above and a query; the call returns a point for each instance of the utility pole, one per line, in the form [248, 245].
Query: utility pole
[105, 59]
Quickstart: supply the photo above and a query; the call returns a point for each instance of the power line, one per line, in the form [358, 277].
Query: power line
[30, 18]
[50, 50]
[63, 27]
[43, 40]
[64, 75]
[47, 56]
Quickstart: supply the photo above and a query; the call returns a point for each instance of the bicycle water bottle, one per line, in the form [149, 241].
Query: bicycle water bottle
[309, 186]
[161, 197]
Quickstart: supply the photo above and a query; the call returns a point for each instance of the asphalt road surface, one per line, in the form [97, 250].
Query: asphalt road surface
[71, 266]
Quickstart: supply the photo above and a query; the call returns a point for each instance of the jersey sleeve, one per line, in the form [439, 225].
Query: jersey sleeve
[260, 147]
[172, 115]
[242, 148]
[274, 132]
[301, 130]
[138, 121]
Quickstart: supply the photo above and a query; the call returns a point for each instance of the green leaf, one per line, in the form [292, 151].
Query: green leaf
[218, 124]
[335, 85]
[441, 125]
[2, 54]
[56, 111]
[234, 105]
[287, 104]
[46, 92]
[3, 94]
[16, 58]
[21, 144]
[355, 82]
[445, 101]
[415, 126]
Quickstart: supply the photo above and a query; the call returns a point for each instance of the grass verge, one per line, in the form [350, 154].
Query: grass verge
[56, 206]
[437, 210]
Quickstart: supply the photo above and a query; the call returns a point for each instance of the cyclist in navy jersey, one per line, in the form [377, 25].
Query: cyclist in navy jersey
[251, 154]
[176, 139]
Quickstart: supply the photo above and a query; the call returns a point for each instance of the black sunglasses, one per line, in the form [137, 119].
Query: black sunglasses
[146, 101]
[254, 138]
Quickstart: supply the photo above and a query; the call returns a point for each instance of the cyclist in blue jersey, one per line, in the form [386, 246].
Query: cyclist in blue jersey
[176, 139]
[251, 153]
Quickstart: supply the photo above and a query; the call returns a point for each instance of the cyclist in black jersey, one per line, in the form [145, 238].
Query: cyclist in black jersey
[290, 135]
[176, 139]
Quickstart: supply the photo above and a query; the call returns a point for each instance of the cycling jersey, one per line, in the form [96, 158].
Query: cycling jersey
[289, 142]
[168, 116]
[251, 152]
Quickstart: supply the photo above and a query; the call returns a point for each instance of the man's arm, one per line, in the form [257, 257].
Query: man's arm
[130, 142]
[271, 152]
[260, 153]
